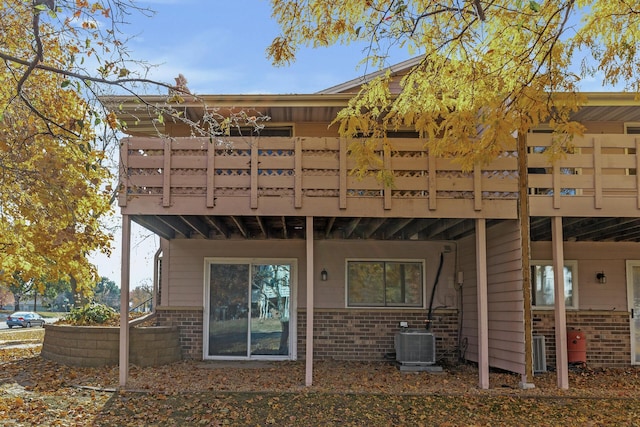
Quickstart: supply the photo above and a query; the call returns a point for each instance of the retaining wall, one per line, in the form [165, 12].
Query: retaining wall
[95, 346]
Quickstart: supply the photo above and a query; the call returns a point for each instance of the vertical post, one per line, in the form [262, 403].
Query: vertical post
[211, 173]
[477, 187]
[308, 381]
[562, 361]
[124, 172]
[124, 300]
[166, 174]
[597, 172]
[297, 177]
[433, 188]
[483, 306]
[386, 189]
[254, 174]
[343, 174]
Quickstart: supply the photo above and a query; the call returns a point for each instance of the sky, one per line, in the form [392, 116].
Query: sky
[220, 47]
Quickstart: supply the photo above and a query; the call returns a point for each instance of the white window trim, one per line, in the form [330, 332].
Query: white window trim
[381, 307]
[293, 304]
[574, 275]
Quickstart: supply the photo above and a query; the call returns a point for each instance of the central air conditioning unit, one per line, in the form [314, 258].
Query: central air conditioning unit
[415, 347]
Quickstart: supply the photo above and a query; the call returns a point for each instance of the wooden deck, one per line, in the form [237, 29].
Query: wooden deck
[598, 178]
[306, 177]
[311, 177]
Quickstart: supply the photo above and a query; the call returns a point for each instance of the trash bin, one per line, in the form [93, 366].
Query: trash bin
[576, 346]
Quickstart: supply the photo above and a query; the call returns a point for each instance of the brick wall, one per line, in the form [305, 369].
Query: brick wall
[189, 323]
[607, 334]
[369, 334]
[339, 334]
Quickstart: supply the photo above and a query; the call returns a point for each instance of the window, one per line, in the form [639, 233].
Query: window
[385, 283]
[542, 285]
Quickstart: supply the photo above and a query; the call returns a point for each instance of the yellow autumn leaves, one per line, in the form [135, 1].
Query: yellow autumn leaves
[53, 185]
[489, 69]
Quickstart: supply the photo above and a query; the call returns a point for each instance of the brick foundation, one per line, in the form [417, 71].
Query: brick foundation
[339, 334]
[189, 323]
[369, 335]
[607, 334]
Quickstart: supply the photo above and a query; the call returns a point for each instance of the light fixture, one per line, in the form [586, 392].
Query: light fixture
[601, 277]
[324, 275]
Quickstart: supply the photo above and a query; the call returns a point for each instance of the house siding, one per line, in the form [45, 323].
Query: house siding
[607, 334]
[593, 257]
[505, 297]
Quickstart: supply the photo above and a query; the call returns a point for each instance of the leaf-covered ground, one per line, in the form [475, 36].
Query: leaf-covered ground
[34, 391]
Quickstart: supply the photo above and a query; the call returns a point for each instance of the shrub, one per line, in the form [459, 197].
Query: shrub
[92, 314]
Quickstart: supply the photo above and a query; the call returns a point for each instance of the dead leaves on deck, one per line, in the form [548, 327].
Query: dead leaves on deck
[34, 391]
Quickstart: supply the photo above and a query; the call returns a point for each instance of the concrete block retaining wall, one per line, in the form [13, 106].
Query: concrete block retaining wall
[95, 346]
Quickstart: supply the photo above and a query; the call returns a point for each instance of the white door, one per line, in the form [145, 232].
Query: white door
[633, 298]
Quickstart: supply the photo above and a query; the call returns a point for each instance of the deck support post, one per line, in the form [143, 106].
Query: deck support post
[483, 314]
[562, 361]
[124, 300]
[308, 379]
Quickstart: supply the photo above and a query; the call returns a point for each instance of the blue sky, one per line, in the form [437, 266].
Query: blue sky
[220, 47]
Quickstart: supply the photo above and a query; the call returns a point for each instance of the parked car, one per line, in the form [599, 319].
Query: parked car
[26, 319]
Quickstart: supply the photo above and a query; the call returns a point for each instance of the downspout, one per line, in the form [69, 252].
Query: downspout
[433, 294]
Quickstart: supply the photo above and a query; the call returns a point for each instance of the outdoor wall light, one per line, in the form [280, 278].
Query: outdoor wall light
[324, 275]
[601, 277]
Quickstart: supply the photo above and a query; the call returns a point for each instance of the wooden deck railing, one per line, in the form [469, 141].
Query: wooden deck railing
[299, 172]
[598, 178]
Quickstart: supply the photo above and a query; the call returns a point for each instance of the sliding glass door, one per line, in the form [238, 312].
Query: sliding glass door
[248, 309]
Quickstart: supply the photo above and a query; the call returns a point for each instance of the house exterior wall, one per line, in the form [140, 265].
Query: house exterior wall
[593, 257]
[602, 313]
[469, 312]
[369, 334]
[505, 297]
[184, 271]
[607, 334]
[340, 333]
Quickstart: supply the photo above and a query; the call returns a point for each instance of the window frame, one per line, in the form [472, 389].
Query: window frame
[573, 265]
[385, 306]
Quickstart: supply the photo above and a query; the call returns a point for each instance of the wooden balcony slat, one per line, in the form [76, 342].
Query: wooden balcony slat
[211, 175]
[409, 164]
[597, 173]
[342, 183]
[125, 177]
[320, 182]
[368, 183]
[166, 184]
[320, 162]
[298, 174]
[321, 144]
[283, 163]
[254, 177]
[146, 162]
[608, 140]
